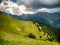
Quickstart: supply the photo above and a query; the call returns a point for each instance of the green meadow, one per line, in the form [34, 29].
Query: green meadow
[19, 32]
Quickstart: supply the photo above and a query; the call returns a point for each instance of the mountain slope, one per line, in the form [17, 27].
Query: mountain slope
[16, 32]
[57, 23]
[44, 17]
[13, 25]
[50, 17]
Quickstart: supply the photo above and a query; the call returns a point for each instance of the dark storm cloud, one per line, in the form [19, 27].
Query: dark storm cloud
[40, 3]
[0, 1]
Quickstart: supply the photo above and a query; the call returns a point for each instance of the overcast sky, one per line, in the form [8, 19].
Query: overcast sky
[35, 4]
[30, 6]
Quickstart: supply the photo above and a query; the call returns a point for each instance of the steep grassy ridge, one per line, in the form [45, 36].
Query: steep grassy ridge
[18, 32]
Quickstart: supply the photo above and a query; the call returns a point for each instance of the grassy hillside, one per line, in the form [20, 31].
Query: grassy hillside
[18, 32]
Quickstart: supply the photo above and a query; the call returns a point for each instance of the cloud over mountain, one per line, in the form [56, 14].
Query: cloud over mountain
[26, 7]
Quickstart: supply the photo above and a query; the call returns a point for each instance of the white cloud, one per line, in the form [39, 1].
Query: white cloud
[13, 8]
[53, 10]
